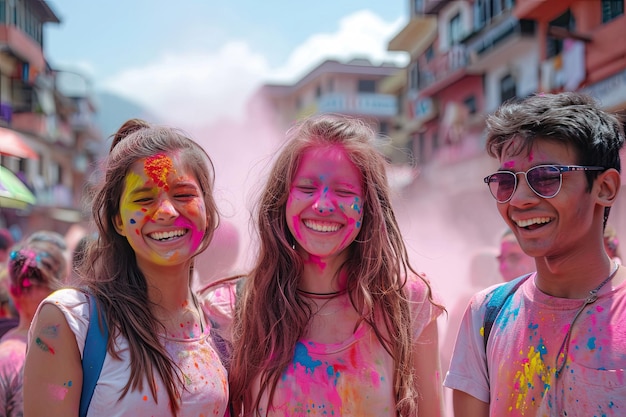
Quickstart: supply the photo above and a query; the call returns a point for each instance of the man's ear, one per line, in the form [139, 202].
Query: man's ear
[119, 225]
[609, 183]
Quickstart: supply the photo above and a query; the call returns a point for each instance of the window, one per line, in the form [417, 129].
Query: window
[318, 91]
[418, 6]
[414, 77]
[500, 6]
[480, 14]
[55, 173]
[435, 141]
[331, 85]
[366, 86]
[22, 166]
[507, 88]
[554, 46]
[486, 10]
[470, 103]
[429, 54]
[612, 9]
[455, 30]
[383, 128]
[421, 147]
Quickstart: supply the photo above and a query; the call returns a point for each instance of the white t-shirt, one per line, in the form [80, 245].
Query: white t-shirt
[206, 381]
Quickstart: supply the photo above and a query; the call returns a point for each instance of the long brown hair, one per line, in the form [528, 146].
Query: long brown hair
[271, 316]
[109, 268]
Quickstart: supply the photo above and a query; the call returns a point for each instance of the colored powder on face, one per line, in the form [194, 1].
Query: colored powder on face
[157, 168]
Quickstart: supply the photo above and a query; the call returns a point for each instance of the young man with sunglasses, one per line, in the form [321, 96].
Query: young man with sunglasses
[557, 346]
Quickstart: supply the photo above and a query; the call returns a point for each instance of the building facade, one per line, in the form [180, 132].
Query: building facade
[469, 56]
[46, 112]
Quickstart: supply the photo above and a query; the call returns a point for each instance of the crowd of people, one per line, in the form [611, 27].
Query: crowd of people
[150, 315]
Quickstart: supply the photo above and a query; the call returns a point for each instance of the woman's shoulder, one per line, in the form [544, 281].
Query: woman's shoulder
[73, 304]
[67, 296]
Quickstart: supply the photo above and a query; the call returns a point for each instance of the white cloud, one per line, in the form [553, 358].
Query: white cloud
[361, 34]
[191, 89]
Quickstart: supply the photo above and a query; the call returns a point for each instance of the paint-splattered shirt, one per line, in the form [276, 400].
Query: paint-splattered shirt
[350, 378]
[522, 353]
[206, 381]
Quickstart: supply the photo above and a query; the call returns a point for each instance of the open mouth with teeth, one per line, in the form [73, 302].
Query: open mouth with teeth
[165, 236]
[320, 226]
[531, 224]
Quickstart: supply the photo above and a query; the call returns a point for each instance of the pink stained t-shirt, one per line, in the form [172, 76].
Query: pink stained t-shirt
[522, 352]
[206, 381]
[350, 378]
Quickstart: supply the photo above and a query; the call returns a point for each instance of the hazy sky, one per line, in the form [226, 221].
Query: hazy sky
[211, 55]
[194, 63]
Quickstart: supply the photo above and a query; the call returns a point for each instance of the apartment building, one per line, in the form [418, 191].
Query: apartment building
[469, 56]
[350, 88]
[48, 113]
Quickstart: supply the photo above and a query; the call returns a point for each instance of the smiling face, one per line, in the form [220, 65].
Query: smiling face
[324, 210]
[162, 211]
[549, 226]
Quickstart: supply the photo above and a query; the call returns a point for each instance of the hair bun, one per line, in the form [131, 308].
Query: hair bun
[129, 126]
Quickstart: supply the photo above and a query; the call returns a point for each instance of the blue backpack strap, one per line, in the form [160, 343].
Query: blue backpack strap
[496, 301]
[93, 354]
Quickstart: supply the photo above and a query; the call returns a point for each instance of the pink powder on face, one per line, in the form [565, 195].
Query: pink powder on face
[196, 234]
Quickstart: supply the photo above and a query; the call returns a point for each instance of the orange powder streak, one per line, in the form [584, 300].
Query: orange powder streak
[157, 167]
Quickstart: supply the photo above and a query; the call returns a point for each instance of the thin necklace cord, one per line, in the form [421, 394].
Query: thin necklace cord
[591, 298]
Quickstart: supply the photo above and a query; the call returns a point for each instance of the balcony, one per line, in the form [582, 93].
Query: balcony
[434, 6]
[503, 41]
[541, 10]
[421, 110]
[18, 44]
[362, 104]
[416, 36]
[442, 69]
[30, 122]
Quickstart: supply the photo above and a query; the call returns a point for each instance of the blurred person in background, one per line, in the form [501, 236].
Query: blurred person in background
[57, 239]
[8, 313]
[33, 270]
[512, 261]
[611, 244]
